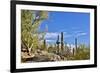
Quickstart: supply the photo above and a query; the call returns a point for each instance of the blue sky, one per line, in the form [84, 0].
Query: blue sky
[72, 24]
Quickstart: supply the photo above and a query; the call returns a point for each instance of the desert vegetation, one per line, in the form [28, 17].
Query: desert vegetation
[34, 47]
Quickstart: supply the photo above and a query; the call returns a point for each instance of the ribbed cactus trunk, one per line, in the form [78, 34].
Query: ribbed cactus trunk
[58, 44]
[73, 51]
[62, 42]
[76, 44]
[44, 44]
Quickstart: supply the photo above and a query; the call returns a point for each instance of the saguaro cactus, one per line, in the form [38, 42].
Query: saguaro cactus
[44, 44]
[62, 43]
[76, 44]
[58, 44]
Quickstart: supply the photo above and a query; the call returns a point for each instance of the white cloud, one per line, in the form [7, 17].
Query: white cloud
[66, 35]
[54, 35]
[50, 41]
[51, 35]
[78, 31]
[81, 34]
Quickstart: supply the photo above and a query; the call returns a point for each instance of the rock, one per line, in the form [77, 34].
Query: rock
[39, 56]
[25, 56]
[45, 56]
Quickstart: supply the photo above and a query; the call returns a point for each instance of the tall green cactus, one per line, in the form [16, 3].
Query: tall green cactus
[44, 44]
[76, 44]
[57, 42]
[62, 42]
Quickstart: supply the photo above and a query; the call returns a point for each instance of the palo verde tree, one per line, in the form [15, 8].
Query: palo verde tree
[30, 21]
